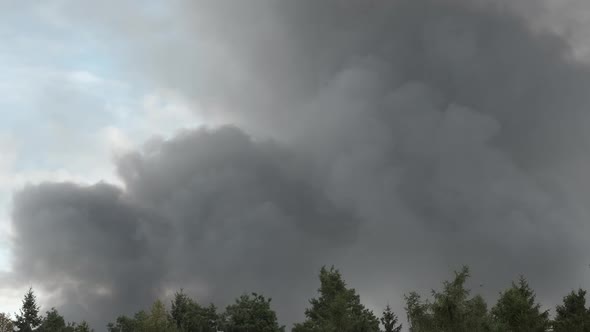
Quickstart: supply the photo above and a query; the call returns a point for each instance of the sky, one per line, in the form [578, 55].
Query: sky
[225, 146]
[67, 108]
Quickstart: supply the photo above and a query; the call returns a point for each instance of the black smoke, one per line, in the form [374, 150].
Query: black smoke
[395, 139]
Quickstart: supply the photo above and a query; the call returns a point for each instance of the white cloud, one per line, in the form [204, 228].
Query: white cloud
[84, 77]
[8, 155]
[166, 111]
[117, 140]
[158, 113]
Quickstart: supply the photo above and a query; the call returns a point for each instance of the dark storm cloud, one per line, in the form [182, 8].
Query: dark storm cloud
[206, 209]
[86, 242]
[408, 137]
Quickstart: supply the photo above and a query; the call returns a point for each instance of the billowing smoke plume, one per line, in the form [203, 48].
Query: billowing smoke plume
[396, 139]
[211, 211]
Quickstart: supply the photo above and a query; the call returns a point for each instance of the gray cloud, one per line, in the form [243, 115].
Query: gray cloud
[408, 137]
[68, 236]
[205, 206]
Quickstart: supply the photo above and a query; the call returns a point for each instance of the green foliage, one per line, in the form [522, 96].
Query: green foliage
[451, 311]
[419, 317]
[53, 322]
[6, 324]
[157, 320]
[181, 308]
[250, 313]
[516, 310]
[207, 318]
[188, 315]
[123, 324]
[572, 316]
[389, 321]
[338, 309]
[140, 319]
[28, 319]
[83, 327]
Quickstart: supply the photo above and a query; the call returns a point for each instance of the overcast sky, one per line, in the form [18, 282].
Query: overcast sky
[395, 139]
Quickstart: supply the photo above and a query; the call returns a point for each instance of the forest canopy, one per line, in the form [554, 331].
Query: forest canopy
[336, 308]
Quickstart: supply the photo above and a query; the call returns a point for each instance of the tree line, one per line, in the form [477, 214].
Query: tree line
[337, 308]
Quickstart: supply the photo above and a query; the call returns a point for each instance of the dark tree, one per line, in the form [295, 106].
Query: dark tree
[338, 309]
[83, 327]
[53, 322]
[6, 324]
[28, 319]
[188, 315]
[157, 320]
[418, 313]
[451, 311]
[207, 319]
[250, 313]
[516, 310]
[181, 307]
[389, 321]
[572, 316]
[124, 324]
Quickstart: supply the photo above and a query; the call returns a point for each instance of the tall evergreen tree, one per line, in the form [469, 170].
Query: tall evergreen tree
[451, 311]
[338, 309]
[389, 321]
[181, 307]
[6, 324]
[516, 310]
[572, 316]
[29, 318]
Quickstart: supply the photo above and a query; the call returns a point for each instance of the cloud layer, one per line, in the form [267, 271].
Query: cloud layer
[396, 139]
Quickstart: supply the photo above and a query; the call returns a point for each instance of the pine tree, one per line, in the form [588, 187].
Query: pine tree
[451, 311]
[572, 316]
[338, 308]
[180, 310]
[29, 318]
[390, 320]
[516, 310]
